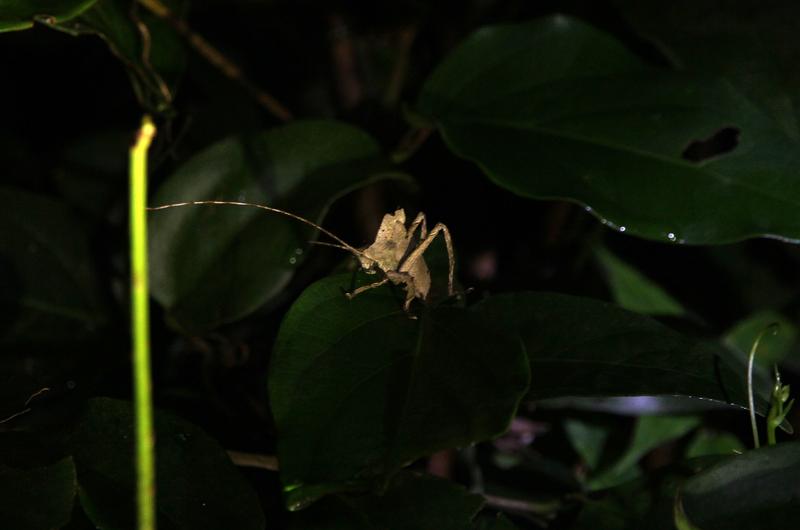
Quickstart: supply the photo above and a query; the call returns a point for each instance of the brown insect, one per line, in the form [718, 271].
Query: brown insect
[397, 251]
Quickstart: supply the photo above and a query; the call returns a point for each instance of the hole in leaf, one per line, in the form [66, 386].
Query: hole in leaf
[721, 142]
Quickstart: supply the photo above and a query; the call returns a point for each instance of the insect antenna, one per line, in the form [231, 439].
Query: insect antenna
[326, 244]
[342, 244]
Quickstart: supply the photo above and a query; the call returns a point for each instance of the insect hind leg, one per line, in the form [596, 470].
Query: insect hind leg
[423, 246]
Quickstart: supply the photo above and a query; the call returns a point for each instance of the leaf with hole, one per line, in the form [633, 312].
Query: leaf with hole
[555, 108]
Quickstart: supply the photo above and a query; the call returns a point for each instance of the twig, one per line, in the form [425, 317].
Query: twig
[144, 33]
[515, 505]
[218, 59]
[140, 329]
[411, 141]
[268, 462]
[395, 86]
[343, 56]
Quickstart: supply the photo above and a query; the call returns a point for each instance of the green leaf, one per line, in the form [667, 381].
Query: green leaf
[583, 347]
[650, 432]
[38, 498]
[411, 502]
[758, 489]
[359, 389]
[750, 43]
[634, 291]
[557, 109]
[647, 502]
[216, 264]
[773, 347]
[153, 53]
[21, 14]
[707, 442]
[48, 288]
[588, 440]
[197, 485]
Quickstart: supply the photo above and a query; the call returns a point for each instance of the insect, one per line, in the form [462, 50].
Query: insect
[397, 252]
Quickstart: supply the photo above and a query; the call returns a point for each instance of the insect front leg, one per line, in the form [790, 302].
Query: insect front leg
[418, 221]
[365, 288]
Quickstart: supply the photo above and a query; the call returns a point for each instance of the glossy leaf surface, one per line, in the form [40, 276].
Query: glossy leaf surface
[359, 389]
[583, 347]
[555, 108]
[758, 489]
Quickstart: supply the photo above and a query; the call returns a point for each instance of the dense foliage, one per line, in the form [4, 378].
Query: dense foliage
[620, 182]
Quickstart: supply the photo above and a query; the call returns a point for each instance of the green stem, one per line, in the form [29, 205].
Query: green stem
[771, 427]
[751, 403]
[772, 329]
[140, 328]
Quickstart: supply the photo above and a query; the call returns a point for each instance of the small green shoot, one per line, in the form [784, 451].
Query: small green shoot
[777, 411]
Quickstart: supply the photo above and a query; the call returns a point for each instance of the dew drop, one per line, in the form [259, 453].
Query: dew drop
[671, 236]
[621, 228]
[298, 251]
[292, 260]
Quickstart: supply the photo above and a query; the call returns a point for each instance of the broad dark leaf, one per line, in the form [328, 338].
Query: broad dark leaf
[750, 42]
[359, 389]
[411, 502]
[48, 288]
[198, 486]
[215, 264]
[583, 347]
[758, 489]
[557, 109]
[38, 498]
[21, 14]
[155, 61]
